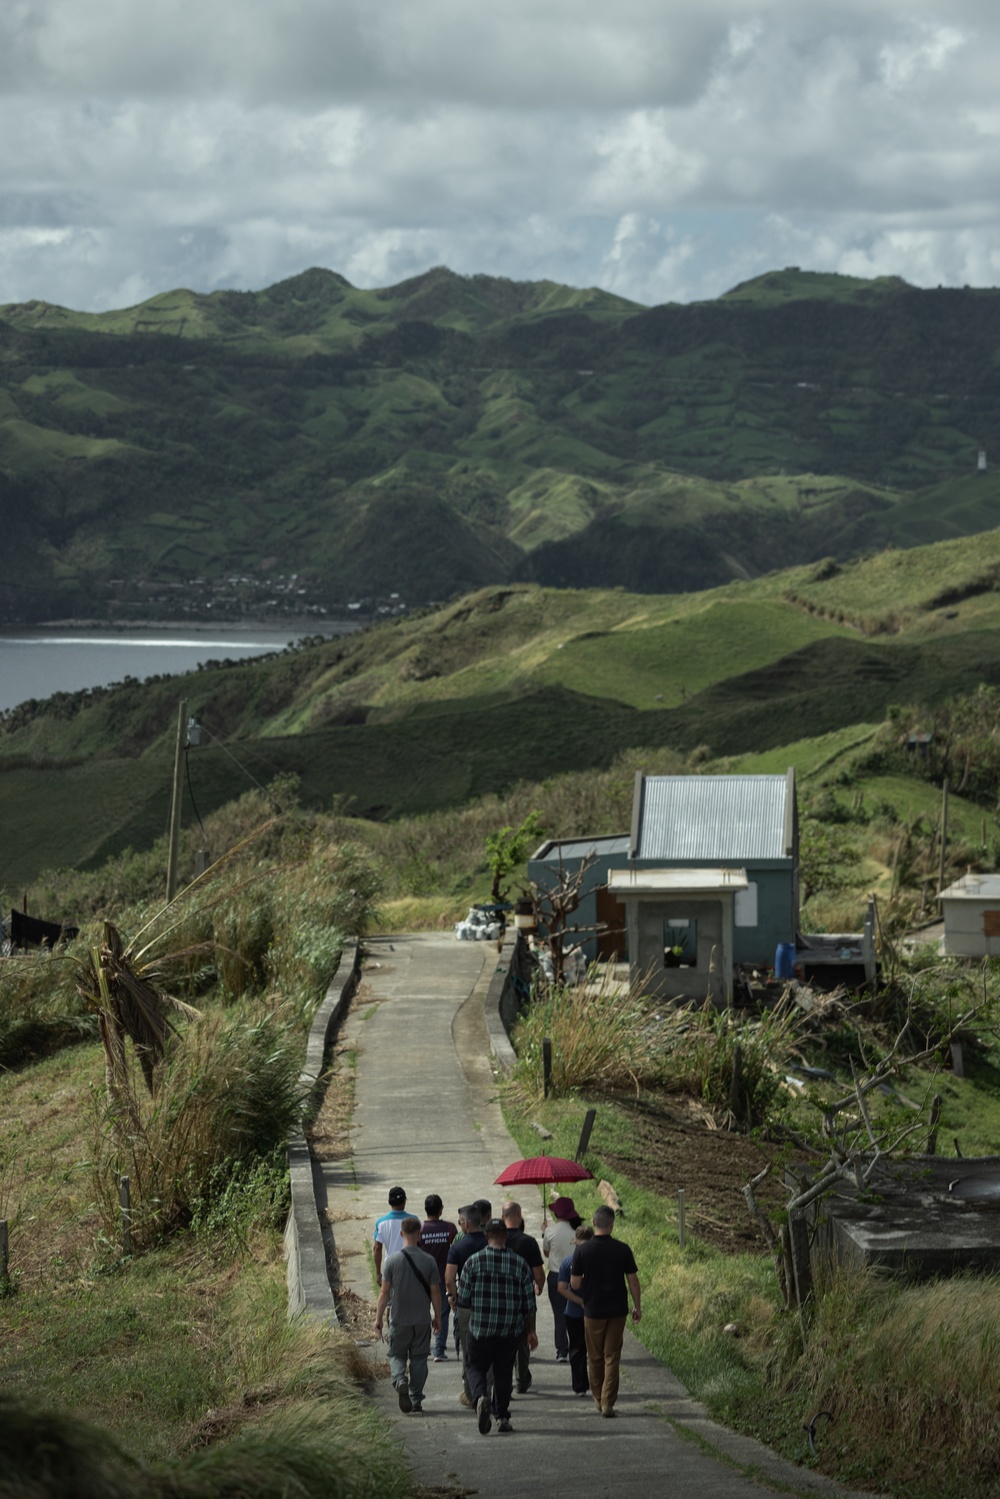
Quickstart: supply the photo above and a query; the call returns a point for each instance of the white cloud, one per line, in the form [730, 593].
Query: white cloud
[663, 150]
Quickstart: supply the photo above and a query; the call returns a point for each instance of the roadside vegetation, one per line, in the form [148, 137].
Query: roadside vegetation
[171, 1347]
[905, 1370]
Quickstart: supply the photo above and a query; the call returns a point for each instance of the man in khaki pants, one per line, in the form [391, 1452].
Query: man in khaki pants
[603, 1273]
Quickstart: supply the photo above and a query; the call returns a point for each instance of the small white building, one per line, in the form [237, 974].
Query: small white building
[971, 908]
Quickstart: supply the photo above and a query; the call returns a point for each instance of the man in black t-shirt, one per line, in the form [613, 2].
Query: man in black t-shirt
[437, 1236]
[604, 1272]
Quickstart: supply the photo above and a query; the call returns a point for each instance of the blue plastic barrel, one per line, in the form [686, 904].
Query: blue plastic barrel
[784, 960]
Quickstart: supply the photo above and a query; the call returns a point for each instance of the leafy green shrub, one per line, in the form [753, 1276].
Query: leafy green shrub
[242, 1197]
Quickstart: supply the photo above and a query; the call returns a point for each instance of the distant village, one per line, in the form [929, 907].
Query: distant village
[241, 596]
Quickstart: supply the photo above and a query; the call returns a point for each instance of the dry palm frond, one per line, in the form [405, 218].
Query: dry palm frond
[129, 1004]
[122, 983]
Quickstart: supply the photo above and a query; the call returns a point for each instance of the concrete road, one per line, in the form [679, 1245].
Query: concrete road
[427, 1117]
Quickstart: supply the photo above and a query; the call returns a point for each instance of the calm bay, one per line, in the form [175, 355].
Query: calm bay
[37, 663]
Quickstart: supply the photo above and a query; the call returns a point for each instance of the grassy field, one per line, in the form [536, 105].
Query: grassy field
[173, 1351]
[183, 1358]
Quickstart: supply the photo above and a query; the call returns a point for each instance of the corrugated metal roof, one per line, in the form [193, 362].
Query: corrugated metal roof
[700, 818]
[582, 848]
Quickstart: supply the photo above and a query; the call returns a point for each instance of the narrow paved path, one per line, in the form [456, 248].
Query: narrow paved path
[427, 1117]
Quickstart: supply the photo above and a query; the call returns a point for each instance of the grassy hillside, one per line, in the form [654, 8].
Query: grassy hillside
[453, 432]
[505, 686]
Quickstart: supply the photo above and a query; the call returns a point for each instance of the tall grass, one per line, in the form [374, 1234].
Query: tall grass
[612, 1035]
[40, 1010]
[228, 1094]
[912, 1374]
[258, 1408]
[602, 1035]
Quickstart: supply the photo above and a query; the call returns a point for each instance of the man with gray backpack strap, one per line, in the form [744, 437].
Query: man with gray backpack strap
[411, 1290]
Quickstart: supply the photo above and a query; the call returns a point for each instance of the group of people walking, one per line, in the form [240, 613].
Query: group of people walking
[489, 1271]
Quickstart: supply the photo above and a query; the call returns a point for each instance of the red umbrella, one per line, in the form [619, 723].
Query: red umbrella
[539, 1169]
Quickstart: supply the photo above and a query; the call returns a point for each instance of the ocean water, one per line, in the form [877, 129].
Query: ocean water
[37, 663]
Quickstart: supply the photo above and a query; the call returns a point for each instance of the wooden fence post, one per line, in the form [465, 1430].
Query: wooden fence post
[588, 1125]
[736, 1083]
[125, 1199]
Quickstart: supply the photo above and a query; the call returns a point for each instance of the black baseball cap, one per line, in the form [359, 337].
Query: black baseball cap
[496, 1226]
[396, 1197]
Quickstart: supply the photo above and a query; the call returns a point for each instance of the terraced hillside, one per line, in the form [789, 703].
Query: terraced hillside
[511, 683]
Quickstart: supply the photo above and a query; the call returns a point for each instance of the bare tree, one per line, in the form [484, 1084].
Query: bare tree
[554, 908]
[857, 1152]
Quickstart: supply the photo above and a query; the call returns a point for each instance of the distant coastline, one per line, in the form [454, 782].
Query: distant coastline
[297, 624]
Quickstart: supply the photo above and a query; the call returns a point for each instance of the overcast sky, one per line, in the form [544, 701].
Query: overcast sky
[662, 149]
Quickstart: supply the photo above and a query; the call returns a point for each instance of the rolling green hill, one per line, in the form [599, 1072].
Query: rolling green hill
[509, 684]
[454, 432]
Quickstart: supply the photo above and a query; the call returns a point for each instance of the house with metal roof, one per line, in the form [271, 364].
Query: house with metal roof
[712, 878]
[707, 878]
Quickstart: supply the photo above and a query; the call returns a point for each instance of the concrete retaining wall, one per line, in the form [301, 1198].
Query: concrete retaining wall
[502, 1004]
[308, 1245]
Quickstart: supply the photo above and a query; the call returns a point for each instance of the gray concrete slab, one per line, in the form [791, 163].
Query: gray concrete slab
[427, 1117]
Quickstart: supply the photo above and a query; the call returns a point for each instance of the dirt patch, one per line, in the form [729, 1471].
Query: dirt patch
[675, 1146]
[357, 1317]
[329, 1133]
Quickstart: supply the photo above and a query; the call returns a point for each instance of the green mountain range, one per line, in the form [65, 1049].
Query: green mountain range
[454, 432]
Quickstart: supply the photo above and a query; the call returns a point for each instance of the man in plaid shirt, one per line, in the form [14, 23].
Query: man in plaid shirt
[497, 1286]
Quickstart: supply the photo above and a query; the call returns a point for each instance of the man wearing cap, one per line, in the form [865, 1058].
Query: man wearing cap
[497, 1287]
[388, 1235]
[557, 1242]
[603, 1272]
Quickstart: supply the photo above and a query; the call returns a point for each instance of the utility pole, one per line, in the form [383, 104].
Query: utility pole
[175, 801]
[944, 840]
